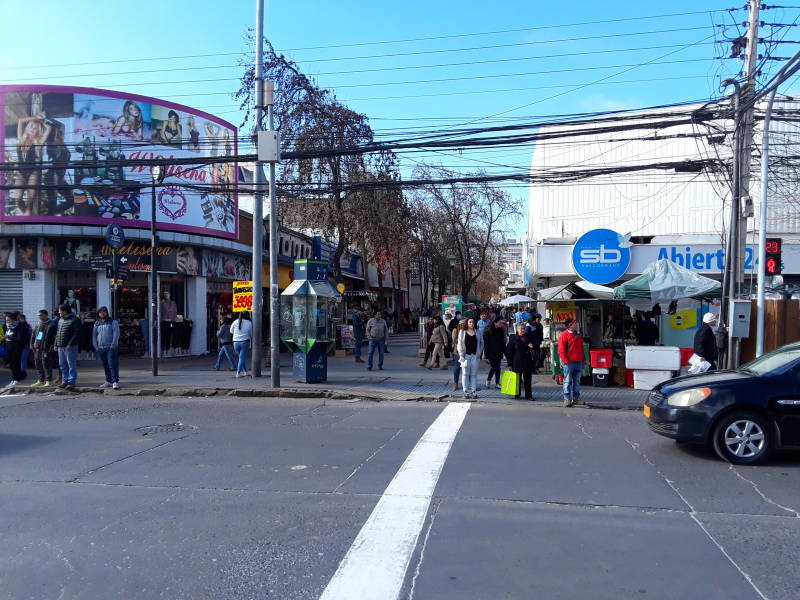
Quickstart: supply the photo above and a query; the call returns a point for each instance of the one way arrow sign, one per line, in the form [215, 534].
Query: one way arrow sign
[123, 260]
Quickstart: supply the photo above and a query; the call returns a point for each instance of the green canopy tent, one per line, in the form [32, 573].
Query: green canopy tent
[664, 281]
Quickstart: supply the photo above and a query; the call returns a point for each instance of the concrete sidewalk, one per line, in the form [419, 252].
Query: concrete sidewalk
[401, 379]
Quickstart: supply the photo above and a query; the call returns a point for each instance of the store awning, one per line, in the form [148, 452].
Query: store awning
[576, 290]
[664, 281]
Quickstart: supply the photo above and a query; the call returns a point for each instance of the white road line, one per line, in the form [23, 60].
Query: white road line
[375, 566]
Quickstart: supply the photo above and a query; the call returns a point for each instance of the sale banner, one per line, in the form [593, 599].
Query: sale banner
[242, 296]
[562, 311]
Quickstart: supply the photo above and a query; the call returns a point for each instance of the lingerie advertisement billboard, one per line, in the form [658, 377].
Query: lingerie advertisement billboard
[56, 141]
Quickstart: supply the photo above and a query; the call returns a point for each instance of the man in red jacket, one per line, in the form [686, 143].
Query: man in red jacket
[570, 350]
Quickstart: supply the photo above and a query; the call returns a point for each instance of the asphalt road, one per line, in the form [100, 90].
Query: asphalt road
[264, 498]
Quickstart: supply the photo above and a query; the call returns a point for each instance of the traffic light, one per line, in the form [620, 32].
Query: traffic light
[773, 261]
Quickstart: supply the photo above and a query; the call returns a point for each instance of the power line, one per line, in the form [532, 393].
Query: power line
[357, 71]
[354, 44]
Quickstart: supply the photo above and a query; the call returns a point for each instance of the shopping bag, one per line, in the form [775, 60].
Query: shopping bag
[509, 384]
[698, 365]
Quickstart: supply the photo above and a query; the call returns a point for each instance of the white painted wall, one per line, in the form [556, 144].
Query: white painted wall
[196, 288]
[38, 293]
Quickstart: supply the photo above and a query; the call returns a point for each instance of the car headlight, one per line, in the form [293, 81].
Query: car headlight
[688, 397]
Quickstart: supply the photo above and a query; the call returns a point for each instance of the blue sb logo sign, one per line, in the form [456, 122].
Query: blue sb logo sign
[601, 256]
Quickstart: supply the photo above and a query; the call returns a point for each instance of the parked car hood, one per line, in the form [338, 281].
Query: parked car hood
[715, 378]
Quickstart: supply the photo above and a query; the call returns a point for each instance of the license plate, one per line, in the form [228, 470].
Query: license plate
[646, 411]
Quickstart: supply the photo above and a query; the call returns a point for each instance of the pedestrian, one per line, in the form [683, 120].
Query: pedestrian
[358, 333]
[42, 342]
[705, 343]
[536, 332]
[54, 354]
[646, 331]
[430, 324]
[23, 321]
[225, 340]
[439, 339]
[15, 341]
[519, 316]
[242, 331]
[494, 346]
[387, 318]
[377, 332]
[105, 339]
[483, 322]
[67, 336]
[470, 347]
[519, 354]
[456, 362]
[570, 350]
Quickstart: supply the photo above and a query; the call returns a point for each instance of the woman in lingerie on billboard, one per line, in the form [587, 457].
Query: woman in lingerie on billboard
[172, 131]
[130, 123]
[32, 134]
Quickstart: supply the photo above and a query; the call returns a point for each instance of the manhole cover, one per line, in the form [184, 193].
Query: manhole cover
[170, 428]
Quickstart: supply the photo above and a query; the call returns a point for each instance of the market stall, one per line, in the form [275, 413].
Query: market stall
[678, 298]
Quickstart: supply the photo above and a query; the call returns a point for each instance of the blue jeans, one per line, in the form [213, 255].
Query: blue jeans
[456, 368]
[110, 359]
[357, 348]
[68, 363]
[572, 380]
[241, 349]
[469, 374]
[380, 345]
[227, 351]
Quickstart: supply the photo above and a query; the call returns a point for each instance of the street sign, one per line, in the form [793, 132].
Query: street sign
[123, 273]
[99, 262]
[115, 236]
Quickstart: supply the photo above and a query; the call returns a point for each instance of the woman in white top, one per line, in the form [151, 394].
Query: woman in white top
[242, 331]
[470, 347]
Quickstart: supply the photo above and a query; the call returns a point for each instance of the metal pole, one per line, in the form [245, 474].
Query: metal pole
[258, 204]
[275, 304]
[153, 281]
[115, 290]
[782, 76]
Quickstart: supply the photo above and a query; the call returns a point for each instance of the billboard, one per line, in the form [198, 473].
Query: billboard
[55, 140]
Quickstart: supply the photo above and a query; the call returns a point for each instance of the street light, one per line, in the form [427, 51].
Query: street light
[159, 173]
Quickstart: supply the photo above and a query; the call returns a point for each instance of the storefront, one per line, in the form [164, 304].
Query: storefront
[194, 288]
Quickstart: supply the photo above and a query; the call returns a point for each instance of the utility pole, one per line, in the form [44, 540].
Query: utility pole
[275, 304]
[258, 204]
[741, 205]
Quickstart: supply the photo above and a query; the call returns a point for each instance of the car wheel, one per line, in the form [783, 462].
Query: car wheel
[743, 438]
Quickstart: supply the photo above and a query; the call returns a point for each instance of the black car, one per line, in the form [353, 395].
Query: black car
[745, 413]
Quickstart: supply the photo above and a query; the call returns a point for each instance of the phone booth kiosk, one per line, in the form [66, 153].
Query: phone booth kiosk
[306, 328]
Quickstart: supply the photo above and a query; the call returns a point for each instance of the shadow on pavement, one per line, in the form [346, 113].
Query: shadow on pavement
[11, 443]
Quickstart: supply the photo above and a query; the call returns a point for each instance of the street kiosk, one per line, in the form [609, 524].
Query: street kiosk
[305, 321]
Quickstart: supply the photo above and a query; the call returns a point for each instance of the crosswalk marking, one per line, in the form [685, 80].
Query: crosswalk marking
[375, 566]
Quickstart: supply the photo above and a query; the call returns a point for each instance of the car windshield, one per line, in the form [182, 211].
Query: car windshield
[774, 362]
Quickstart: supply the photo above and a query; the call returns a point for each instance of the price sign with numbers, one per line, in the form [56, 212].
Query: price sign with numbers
[242, 296]
[561, 311]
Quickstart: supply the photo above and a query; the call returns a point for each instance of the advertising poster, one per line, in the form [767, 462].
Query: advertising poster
[58, 140]
[242, 296]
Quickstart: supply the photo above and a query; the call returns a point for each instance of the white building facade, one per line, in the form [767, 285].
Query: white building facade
[656, 177]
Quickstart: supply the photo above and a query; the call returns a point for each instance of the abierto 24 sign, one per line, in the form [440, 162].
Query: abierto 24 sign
[58, 140]
[601, 256]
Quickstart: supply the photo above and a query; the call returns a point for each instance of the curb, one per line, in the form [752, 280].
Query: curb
[332, 394]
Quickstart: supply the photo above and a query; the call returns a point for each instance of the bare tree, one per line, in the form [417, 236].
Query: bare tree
[315, 193]
[472, 220]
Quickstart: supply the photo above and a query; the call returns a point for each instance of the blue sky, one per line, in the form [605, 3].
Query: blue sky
[559, 58]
